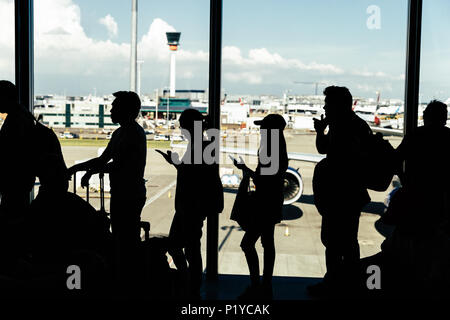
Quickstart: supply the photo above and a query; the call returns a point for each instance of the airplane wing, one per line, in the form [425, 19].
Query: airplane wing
[307, 157]
[240, 151]
[388, 132]
[293, 186]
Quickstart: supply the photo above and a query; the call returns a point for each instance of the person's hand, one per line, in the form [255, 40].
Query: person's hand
[85, 180]
[242, 166]
[320, 125]
[71, 171]
[169, 156]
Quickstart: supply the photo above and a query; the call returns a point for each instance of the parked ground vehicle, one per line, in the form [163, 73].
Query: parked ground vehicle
[161, 137]
[177, 138]
[66, 135]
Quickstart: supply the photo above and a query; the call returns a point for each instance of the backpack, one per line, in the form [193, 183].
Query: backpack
[378, 163]
[45, 141]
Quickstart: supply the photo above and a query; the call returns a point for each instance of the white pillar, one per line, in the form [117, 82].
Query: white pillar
[172, 74]
[133, 74]
[138, 76]
[156, 111]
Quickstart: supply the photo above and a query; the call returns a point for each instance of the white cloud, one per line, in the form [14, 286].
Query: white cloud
[7, 39]
[187, 75]
[262, 57]
[365, 87]
[7, 22]
[65, 51]
[246, 77]
[370, 74]
[110, 24]
[153, 44]
[63, 48]
[378, 74]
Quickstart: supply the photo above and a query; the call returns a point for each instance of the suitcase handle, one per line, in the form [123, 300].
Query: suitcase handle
[144, 225]
[102, 189]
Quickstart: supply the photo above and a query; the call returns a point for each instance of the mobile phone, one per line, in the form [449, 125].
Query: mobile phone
[233, 159]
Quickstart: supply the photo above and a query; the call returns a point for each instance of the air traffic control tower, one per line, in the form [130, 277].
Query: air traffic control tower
[173, 40]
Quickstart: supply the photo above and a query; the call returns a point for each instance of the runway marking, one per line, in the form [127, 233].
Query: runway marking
[159, 194]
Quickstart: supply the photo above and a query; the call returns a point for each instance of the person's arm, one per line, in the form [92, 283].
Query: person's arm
[322, 143]
[93, 166]
[246, 171]
[171, 157]
[321, 138]
[399, 158]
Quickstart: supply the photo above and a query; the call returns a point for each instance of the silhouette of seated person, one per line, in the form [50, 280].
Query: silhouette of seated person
[16, 179]
[57, 226]
[420, 209]
[199, 193]
[128, 150]
[61, 223]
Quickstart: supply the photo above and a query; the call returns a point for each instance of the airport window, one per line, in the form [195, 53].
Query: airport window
[82, 56]
[281, 62]
[7, 43]
[7, 63]
[435, 58]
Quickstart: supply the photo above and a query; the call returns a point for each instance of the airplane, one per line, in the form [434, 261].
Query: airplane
[293, 182]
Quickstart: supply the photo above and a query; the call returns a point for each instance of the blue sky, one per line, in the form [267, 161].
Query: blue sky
[267, 45]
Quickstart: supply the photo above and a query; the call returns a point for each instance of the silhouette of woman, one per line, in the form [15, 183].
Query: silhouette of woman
[269, 182]
[199, 193]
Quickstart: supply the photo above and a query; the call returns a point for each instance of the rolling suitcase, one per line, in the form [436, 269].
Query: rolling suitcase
[144, 225]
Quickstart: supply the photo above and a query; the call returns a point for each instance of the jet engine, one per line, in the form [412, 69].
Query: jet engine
[293, 186]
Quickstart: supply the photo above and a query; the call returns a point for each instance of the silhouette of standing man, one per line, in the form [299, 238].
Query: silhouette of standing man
[128, 151]
[426, 179]
[417, 250]
[199, 193]
[339, 192]
[16, 176]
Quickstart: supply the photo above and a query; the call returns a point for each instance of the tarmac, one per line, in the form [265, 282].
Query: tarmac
[300, 255]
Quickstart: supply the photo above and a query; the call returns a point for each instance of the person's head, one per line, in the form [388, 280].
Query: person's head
[272, 121]
[8, 96]
[435, 114]
[274, 151]
[125, 107]
[52, 173]
[338, 101]
[189, 118]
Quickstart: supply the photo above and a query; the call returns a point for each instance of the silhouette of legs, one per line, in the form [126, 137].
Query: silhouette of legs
[186, 233]
[251, 256]
[268, 243]
[339, 235]
[125, 218]
[248, 246]
[194, 258]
